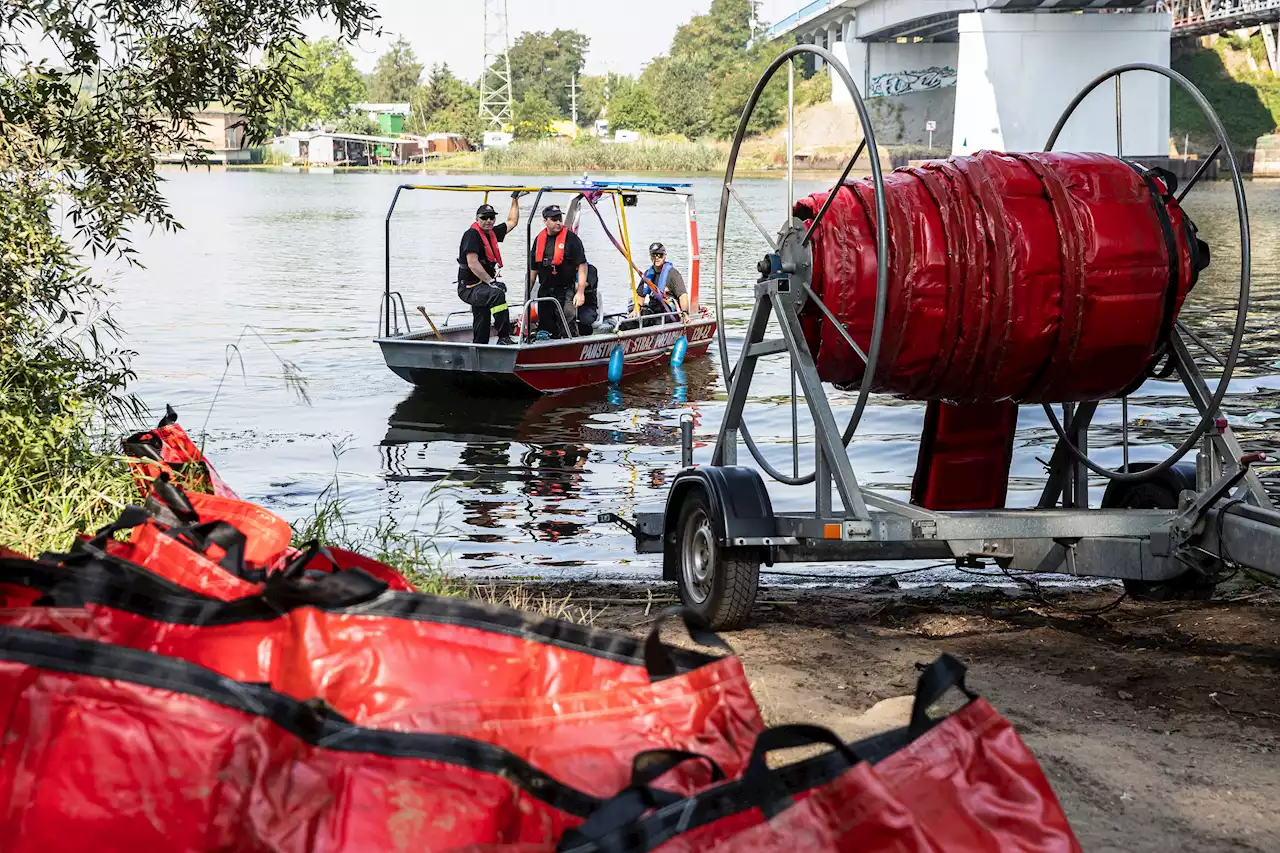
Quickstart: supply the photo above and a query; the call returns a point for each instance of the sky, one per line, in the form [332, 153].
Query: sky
[625, 34]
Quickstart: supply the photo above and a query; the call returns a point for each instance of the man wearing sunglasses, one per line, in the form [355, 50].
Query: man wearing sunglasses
[663, 291]
[479, 262]
[558, 262]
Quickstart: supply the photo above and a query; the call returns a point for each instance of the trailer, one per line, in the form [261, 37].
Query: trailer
[1168, 529]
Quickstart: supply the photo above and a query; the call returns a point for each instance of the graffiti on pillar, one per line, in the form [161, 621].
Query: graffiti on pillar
[905, 82]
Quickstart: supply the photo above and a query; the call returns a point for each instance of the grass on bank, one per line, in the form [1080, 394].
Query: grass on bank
[419, 560]
[45, 504]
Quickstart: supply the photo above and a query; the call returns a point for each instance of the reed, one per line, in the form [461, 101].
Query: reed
[595, 156]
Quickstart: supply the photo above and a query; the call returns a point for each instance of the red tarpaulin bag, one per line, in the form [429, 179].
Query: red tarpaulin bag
[970, 784]
[970, 780]
[267, 535]
[168, 449]
[381, 669]
[111, 749]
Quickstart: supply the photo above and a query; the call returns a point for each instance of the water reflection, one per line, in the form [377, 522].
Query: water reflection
[537, 471]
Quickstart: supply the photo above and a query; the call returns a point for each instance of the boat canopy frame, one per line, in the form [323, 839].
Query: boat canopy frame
[596, 189]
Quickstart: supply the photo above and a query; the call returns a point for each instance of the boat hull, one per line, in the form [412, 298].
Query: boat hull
[544, 367]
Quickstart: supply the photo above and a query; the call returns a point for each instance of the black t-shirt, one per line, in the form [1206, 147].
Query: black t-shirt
[472, 242]
[565, 276]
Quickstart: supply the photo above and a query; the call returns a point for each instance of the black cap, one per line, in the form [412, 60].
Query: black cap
[552, 211]
[485, 210]
[657, 249]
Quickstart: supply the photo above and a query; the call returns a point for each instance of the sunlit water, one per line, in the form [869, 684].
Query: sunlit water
[295, 261]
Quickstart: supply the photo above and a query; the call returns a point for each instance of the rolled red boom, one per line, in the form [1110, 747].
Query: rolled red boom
[1026, 277]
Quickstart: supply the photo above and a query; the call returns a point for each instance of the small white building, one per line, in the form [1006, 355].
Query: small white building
[497, 139]
[325, 148]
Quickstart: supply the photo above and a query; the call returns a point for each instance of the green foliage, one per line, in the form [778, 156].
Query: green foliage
[77, 173]
[446, 105]
[635, 108]
[358, 122]
[592, 96]
[592, 155]
[682, 88]
[702, 86]
[325, 83]
[396, 76]
[533, 117]
[1248, 104]
[545, 63]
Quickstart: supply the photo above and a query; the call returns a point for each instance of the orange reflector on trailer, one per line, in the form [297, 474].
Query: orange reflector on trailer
[830, 531]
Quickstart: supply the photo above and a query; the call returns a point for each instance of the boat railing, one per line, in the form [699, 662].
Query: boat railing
[390, 302]
[528, 306]
[449, 317]
[645, 320]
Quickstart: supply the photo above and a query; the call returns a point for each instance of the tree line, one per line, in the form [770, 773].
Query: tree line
[697, 89]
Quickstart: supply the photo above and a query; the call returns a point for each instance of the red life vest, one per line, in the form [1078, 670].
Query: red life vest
[557, 255]
[490, 240]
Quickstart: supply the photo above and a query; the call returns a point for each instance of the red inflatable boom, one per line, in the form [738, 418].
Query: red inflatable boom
[1026, 277]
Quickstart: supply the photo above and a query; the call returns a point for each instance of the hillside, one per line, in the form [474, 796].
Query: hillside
[1233, 75]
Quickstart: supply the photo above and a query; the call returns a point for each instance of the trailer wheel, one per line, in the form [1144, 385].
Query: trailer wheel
[1158, 493]
[717, 582]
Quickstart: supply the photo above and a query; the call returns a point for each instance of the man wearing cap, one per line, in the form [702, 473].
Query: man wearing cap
[662, 290]
[558, 262]
[479, 260]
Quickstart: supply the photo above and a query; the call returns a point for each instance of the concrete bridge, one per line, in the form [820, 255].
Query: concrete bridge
[997, 73]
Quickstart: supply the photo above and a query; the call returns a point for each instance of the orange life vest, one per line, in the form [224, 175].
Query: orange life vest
[557, 254]
[490, 240]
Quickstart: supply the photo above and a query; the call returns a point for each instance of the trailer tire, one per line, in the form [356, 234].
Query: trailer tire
[717, 582]
[1160, 493]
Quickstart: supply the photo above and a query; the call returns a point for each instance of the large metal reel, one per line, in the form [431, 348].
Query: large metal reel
[1177, 350]
[793, 239]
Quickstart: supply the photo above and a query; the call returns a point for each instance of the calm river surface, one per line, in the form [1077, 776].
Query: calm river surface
[513, 487]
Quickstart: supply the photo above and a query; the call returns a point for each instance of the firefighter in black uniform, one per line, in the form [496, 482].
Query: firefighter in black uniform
[558, 262]
[479, 260]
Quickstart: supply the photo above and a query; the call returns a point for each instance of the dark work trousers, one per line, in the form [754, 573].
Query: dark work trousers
[488, 303]
[587, 317]
[549, 318]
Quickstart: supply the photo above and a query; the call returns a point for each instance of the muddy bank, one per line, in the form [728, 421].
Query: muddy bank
[1158, 724]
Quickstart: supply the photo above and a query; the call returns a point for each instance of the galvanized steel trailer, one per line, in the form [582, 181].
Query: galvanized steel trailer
[1168, 529]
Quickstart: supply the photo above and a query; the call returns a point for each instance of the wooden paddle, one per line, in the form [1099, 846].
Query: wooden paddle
[427, 317]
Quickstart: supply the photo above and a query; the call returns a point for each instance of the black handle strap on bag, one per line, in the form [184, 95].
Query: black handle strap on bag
[631, 803]
[765, 788]
[168, 503]
[295, 587]
[657, 656]
[936, 680]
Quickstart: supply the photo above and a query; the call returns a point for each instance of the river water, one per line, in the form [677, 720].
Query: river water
[286, 267]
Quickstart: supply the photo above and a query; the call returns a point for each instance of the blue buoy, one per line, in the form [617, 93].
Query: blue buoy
[678, 351]
[615, 364]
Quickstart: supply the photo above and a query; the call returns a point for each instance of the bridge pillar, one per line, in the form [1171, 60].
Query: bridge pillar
[1017, 73]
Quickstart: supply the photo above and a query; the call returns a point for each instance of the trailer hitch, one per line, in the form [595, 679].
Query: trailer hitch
[1189, 523]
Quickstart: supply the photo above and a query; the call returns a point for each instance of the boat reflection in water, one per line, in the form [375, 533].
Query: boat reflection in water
[524, 478]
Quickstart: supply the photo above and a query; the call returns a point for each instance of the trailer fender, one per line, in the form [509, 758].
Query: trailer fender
[740, 505]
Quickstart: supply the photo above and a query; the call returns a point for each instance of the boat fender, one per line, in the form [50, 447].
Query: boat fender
[616, 360]
[678, 351]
